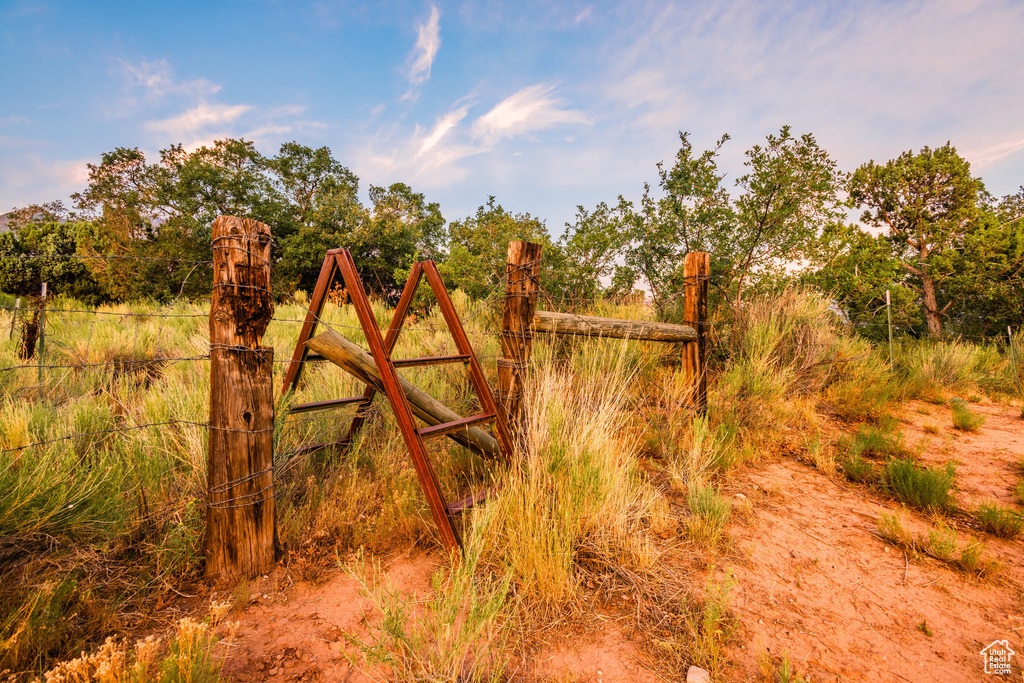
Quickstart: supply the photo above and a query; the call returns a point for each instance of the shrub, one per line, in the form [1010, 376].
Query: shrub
[876, 441]
[859, 470]
[921, 487]
[710, 513]
[965, 419]
[999, 521]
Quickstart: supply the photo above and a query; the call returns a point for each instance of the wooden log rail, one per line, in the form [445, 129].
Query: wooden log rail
[353, 359]
[612, 328]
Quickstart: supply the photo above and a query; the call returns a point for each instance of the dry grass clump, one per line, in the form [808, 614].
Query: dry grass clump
[930, 370]
[575, 503]
[190, 655]
[464, 632]
[792, 345]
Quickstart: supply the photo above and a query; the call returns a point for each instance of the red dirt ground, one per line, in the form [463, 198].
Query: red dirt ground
[814, 582]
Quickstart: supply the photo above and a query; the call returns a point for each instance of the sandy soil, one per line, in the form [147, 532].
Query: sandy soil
[813, 582]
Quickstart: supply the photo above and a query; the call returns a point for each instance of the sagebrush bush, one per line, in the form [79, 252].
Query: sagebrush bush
[964, 418]
[709, 514]
[941, 543]
[859, 470]
[999, 521]
[921, 487]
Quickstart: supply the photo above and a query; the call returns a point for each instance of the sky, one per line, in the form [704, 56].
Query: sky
[545, 105]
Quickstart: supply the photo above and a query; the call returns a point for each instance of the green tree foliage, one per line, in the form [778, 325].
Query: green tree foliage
[479, 248]
[588, 252]
[37, 252]
[928, 205]
[857, 275]
[785, 202]
[986, 291]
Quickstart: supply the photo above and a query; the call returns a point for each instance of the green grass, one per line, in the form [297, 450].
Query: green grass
[921, 487]
[710, 512]
[940, 543]
[999, 521]
[964, 418]
[859, 470]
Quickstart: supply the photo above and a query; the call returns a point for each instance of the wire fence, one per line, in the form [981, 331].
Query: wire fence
[76, 354]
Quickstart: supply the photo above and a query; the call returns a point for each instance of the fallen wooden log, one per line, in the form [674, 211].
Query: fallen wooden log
[593, 326]
[353, 359]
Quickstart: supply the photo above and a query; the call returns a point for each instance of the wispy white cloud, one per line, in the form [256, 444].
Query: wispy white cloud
[428, 42]
[532, 108]
[583, 15]
[14, 120]
[445, 124]
[197, 121]
[155, 81]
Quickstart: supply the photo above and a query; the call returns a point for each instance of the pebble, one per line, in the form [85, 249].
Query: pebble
[695, 674]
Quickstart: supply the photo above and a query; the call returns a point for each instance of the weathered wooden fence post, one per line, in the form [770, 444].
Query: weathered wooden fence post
[240, 534]
[522, 283]
[696, 270]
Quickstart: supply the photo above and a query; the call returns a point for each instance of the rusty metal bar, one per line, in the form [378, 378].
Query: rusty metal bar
[403, 414]
[429, 360]
[456, 425]
[321, 405]
[316, 305]
[397, 319]
[476, 375]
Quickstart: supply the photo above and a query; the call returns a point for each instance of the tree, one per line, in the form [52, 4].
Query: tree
[985, 292]
[589, 250]
[856, 276]
[928, 204]
[479, 247]
[787, 199]
[41, 251]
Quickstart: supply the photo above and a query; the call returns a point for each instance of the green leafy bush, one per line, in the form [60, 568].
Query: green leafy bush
[966, 419]
[999, 521]
[921, 487]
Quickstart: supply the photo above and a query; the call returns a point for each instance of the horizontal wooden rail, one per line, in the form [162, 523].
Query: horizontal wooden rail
[593, 326]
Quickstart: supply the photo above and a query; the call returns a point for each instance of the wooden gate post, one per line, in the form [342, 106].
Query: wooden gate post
[696, 269]
[240, 479]
[522, 283]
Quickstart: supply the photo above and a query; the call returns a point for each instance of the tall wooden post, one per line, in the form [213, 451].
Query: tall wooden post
[522, 283]
[240, 479]
[696, 270]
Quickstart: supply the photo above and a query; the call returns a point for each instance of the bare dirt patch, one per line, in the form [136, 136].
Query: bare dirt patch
[817, 584]
[301, 633]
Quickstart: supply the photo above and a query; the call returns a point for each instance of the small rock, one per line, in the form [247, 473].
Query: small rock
[740, 496]
[273, 672]
[695, 674]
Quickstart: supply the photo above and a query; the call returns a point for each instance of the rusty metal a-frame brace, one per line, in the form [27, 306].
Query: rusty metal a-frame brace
[380, 349]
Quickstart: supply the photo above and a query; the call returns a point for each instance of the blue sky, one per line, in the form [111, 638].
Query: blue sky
[544, 105]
